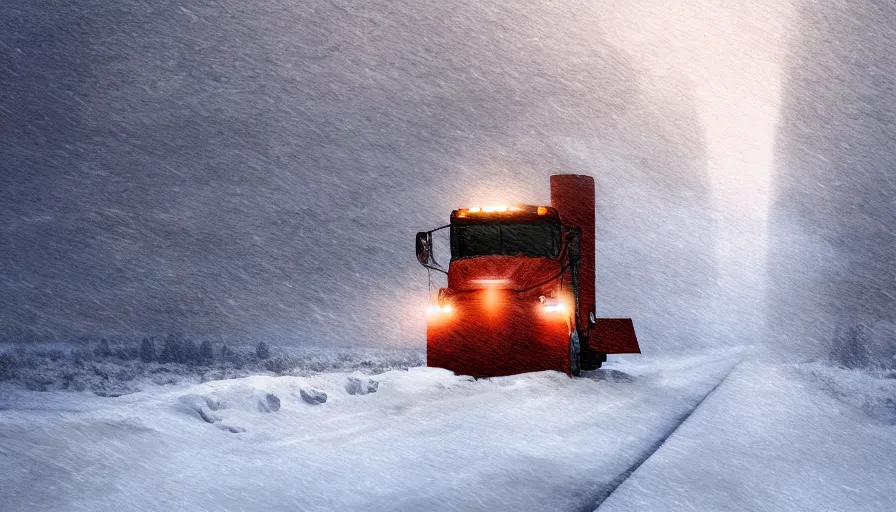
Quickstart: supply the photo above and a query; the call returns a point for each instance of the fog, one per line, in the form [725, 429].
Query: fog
[254, 172]
[833, 252]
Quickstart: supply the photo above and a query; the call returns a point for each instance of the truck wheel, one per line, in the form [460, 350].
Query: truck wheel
[575, 366]
[592, 360]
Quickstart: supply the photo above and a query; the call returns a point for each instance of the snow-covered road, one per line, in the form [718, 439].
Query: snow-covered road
[769, 439]
[424, 440]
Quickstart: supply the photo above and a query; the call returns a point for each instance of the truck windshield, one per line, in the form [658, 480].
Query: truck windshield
[541, 239]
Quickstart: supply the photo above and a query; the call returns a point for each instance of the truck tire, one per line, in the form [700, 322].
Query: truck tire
[575, 364]
[592, 360]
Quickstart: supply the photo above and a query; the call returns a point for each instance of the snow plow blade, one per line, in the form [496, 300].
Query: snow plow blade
[615, 336]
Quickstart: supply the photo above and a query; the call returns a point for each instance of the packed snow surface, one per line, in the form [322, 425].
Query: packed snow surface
[759, 438]
[421, 439]
[770, 439]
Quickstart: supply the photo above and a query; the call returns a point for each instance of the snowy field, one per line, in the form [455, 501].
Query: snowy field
[761, 437]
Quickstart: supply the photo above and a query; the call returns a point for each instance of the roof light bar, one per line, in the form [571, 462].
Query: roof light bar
[473, 210]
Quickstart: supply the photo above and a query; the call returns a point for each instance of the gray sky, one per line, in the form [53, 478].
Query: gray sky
[248, 171]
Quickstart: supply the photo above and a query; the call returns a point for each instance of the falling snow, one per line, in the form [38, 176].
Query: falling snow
[240, 172]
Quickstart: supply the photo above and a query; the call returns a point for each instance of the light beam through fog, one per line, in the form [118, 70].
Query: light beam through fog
[731, 55]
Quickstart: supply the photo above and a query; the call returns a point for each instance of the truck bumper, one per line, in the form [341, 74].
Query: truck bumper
[495, 332]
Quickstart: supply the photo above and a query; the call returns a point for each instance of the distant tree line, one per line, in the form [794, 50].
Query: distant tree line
[177, 349]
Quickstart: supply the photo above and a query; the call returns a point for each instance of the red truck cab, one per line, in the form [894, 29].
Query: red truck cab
[520, 294]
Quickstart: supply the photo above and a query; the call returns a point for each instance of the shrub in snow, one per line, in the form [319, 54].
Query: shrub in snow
[53, 355]
[361, 385]
[164, 380]
[111, 389]
[81, 357]
[206, 355]
[269, 403]
[280, 364]
[126, 353]
[870, 345]
[147, 350]
[262, 350]
[313, 396]
[8, 365]
[849, 348]
[103, 350]
[38, 382]
[74, 382]
[882, 347]
[125, 374]
[233, 357]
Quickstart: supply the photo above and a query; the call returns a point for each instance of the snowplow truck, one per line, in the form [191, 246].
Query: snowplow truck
[521, 289]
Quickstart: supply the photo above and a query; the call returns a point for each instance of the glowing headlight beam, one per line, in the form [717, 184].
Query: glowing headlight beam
[436, 309]
[558, 307]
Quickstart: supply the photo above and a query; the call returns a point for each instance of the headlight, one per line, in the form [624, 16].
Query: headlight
[437, 309]
[552, 304]
[558, 307]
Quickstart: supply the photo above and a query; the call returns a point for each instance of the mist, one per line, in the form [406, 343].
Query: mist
[257, 172]
[833, 251]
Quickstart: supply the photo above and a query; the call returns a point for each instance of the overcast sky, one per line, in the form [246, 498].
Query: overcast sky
[257, 171]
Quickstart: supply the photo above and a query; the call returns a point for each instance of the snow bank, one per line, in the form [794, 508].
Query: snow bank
[118, 369]
[420, 439]
[874, 391]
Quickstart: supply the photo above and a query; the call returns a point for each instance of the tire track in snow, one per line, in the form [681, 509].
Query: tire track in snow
[607, 489]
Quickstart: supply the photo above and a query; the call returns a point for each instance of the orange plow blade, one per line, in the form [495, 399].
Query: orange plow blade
[615, 336]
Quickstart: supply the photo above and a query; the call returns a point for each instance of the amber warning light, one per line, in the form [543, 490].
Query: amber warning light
[464, 212]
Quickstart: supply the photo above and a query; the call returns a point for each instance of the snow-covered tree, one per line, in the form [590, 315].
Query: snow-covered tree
[189, 352]
[262, 350]
[147, 350]
[206, 355]
[171, 350]
[103, 349]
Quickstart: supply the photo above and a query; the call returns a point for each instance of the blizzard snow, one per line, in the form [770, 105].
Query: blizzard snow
[234, 172]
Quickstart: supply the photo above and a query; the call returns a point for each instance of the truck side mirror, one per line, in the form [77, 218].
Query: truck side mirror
[424, 247]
